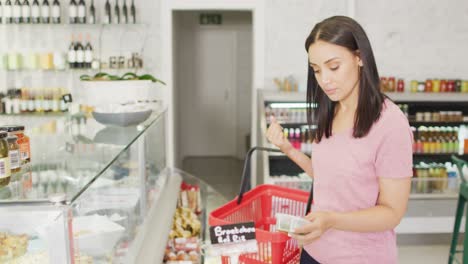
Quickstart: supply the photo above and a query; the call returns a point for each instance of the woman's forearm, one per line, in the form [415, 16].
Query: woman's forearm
[375, 219]
[301, 159]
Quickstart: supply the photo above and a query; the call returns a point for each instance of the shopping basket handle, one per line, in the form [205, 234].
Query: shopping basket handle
[246, 171]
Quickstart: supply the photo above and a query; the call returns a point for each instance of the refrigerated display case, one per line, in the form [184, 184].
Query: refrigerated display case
[92, 194]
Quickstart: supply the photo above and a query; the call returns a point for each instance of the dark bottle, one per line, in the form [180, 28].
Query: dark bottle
[81, 12]
[107, 13]
[35, 12]
[72, 54]
[92, 13]
[1, 13]
[133, 12]
[8, 12]
[79, 49]
[88, 53]
[17, 18]
[45, 12]
[26, 12]
[124, 12]
[72, 12]
[116, 12]
[56, 12]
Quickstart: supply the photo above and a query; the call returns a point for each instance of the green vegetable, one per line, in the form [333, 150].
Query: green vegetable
[127, 76]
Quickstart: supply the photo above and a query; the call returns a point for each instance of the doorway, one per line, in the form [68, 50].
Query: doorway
[213, 89]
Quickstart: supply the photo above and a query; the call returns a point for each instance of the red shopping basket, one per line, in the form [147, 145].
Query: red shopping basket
[260, 206]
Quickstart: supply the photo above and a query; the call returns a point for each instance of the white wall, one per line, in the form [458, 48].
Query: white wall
[417, 39]
[412, 39]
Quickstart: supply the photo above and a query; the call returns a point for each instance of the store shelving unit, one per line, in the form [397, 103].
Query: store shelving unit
[423, 207]
[106, 39]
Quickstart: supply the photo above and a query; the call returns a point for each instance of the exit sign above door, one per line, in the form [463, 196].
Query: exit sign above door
[211, 19]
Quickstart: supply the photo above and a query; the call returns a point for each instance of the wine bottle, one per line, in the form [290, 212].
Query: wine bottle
[92, 13]
[88, 53]
[133, 12]
[72, 54]
[45, 12]
[79, 49]
[17, 12]
[26, 12]
[56, 12]
[35, 12]
[72, 12]
[8, 12]
[116, 12]
[107, 13]
[125, 12]
[81, 12]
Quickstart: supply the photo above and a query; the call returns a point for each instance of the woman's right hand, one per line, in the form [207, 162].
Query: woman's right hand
[275, 135]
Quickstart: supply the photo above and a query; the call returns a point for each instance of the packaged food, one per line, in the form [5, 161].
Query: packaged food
[5, 171]
[289, 223]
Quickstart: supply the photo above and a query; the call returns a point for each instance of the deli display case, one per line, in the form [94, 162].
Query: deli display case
[91, 194]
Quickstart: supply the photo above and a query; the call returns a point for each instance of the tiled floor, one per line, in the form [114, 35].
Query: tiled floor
[224, 175]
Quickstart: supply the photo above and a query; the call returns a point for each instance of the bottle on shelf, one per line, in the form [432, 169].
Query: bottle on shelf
[56, 12]
[18, 19]
[79, 49]
[35, 12]
[92, 13]
[116, 13]
[88, 53]
[72, 54]
[81, 19]
[45, 12]
[72, 12]
[133, 12]
[26, 12]
[8, 12]
[125, 12]
[1, 13]
[107, 13]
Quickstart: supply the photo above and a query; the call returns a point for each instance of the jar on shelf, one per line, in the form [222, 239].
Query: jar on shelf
[23, 141]
[436, 116]
[414, 86]
[428, 86]
[436, 85]
[427, 116]
[419, 116]
[5, 170]
[13, 153]
[443, 86]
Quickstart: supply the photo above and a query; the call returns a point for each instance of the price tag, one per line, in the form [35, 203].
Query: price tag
[235, 233]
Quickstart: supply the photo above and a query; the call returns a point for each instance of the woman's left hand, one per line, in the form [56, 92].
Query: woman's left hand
[320, 222]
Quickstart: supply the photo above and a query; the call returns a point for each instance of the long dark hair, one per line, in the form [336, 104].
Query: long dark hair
[345, 32]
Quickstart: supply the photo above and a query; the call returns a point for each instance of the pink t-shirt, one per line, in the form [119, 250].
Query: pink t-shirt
[346, 174]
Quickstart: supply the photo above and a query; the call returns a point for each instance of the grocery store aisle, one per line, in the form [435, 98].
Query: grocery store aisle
[222, 173]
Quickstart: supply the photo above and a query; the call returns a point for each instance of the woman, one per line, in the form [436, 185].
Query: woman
[362, 152]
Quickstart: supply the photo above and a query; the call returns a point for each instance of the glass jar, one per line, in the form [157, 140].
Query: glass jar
[5, 171]
[13, 153]
[23, 142]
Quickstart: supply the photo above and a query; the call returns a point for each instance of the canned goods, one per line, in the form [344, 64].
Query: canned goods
[421, 87]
